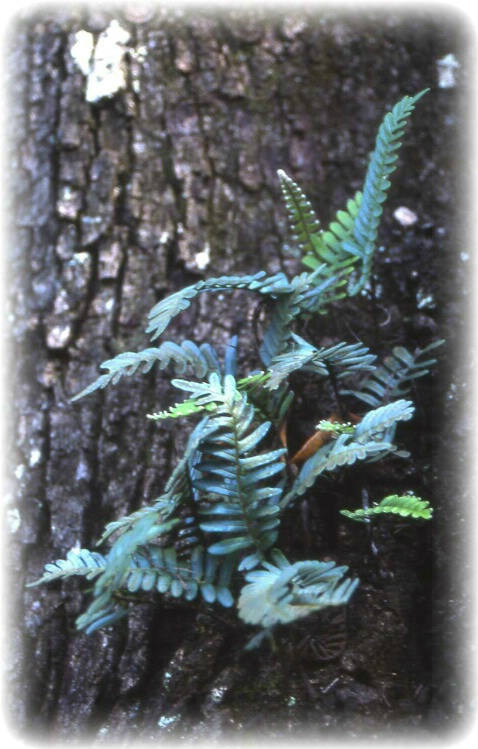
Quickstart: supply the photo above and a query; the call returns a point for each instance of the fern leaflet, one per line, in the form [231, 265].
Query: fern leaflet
[405, 506]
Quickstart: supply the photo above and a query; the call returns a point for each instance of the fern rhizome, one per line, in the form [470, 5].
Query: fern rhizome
[213, 532]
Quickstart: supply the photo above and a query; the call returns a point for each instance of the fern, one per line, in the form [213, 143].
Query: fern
[163, 312]
[363, 444]
[382, 164]
[394, 377]
[303, 222]
[351, 238]
[218, 516]
[82, 562]
[341, 360]
[322, 252]
[405, 506]
[235, 503]
[328, 246]
[282, 592]
[201, 360]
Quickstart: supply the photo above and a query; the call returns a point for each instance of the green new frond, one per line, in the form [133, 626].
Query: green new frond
[328, 246]
[253, 385]
[335, 427]
[88, 564]
[200, 360]
[405, 506]
[381, 166]
[394, 377]
[280, 595]
[179, 410]
[304, 224]
[163, 312]
[341, 360]
[323, 252]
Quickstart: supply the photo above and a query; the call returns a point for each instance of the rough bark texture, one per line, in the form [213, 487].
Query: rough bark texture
[114, 204]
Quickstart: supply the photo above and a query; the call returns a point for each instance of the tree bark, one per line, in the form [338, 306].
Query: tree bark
[121, 199]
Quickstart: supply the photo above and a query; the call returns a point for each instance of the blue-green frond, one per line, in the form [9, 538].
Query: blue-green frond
[341, 360]
[200, 360]
[162, 313]
[370, 440]
[381, 166]
[280, 595]
[393, 378]
[88, 564]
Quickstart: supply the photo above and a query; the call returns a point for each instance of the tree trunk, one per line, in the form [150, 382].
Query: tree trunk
[126, 193]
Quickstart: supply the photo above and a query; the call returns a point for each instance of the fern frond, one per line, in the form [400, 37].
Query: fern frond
[381, 166]
[393, 378]
[152, 568]
[86, 563]
[328, 246]
[366, 443]
[341, 360]
[381, 419]
[233, 500]
[163, 312]
[304, 224]
[305, 295]
[405, 506]
[280, 595]
[199, 359]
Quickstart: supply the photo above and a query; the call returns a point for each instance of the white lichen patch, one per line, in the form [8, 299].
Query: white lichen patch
[405, 216]
[82, 50]
[35, 457]
[14, 520]
[447, 68]
[104, 63]
[58, 336]
[203, 258]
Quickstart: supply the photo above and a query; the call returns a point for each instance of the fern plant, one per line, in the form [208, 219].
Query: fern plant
[213, 534]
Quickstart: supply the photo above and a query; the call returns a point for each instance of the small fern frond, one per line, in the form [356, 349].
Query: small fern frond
[366, 443]
[393, 378]
[381, 166]
[179, 410]
[280, 595]
[341, 360]
[405, 506]
[323, 252]
[303, 223]
[199, 359]
[381, 419]
[86, 563]
[328, 246]
[162, 313]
